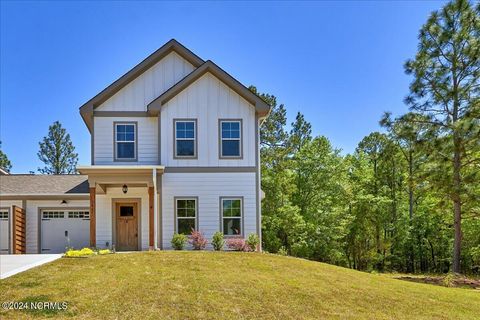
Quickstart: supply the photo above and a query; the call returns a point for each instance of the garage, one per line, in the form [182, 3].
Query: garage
[4, 231]
[64, 228]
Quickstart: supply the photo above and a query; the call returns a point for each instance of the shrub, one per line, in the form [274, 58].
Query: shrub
[236, 244]
[197, 240]
[252, 242]
[85, 252]
[104, 251]
[217, 241]
[282, 251]
[178, 241]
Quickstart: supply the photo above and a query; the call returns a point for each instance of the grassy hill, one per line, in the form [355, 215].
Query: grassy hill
[217, 285]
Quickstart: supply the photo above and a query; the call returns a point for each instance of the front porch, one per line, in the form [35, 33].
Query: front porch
[124, 206]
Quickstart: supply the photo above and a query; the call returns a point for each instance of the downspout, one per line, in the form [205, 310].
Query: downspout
[155, 209]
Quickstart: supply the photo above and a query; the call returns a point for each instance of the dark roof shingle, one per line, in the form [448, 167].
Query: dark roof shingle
[15, 184]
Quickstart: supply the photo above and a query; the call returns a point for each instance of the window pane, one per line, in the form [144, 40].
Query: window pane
[235, 134]
[185, 226]
[190, 134]
[235, 126]
[227, 204]
[126, 211]
[236, 212]
[121, 128]
[181, 203]
[190, 204]
[190, 212]
[189, 126]
[126, 150]
[180, 134]
[230, 148]
[185, 148]
[225, 126]
[130, 128]
[180, 125]
[226, 134]
[181, 212]
[231, 226]
[130, 136]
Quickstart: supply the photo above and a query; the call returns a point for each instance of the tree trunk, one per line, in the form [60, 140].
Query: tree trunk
[411, 265]
[457, 206]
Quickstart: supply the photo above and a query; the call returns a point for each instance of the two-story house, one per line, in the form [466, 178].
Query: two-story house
[175, 147]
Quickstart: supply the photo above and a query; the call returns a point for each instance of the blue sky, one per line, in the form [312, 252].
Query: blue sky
[339, 63]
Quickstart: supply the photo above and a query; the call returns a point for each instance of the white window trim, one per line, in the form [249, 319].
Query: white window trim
[175, 199]
[175, 139]
[222, 218]
[239, 139]
[116, 142]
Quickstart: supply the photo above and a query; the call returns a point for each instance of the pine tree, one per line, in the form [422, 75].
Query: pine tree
[5, 164]
[446, 90]
[57, 151]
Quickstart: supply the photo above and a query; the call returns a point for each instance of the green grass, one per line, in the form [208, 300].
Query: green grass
[217, 285]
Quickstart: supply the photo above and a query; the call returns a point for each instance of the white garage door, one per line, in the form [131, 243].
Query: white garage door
[4, 232]
[63, 229]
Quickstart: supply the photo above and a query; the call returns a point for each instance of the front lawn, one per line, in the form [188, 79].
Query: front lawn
[217, 285]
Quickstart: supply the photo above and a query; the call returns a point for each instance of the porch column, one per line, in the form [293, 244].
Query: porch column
[93, 218]
[151, 226]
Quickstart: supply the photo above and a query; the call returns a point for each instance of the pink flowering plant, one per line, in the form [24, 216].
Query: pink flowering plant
[198, 240]
[236, 244]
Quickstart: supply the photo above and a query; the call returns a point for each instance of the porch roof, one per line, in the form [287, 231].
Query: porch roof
[119, 169]
[104, 175]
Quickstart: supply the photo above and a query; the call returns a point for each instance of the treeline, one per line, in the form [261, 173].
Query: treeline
[407, 199]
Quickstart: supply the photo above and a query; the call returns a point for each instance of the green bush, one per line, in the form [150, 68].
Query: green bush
[179, 241]
[104, 251]
[282, 251]
[217, 241]
[252, 241]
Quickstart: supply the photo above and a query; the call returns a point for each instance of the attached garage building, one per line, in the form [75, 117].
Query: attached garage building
[54, 210]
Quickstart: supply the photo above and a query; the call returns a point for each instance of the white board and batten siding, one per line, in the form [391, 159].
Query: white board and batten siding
[105, 214]
[152, 83]
[147, 140]
[207, 100]
[208, 187]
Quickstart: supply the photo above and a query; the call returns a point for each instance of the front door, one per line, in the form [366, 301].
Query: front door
[126, 226]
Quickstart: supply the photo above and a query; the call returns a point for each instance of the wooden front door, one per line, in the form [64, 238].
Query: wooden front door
[126, 226]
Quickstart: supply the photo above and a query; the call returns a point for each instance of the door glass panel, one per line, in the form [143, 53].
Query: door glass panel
[126, 211]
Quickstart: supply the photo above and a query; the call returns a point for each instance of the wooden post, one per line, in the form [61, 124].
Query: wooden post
[93, 219]
[150, 218]
[19, 227]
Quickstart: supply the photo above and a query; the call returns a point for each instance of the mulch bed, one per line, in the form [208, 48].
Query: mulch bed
[457, 282]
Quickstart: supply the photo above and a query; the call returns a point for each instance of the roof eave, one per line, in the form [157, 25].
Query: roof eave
[86, 110]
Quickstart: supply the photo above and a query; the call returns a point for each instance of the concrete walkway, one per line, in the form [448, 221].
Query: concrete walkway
[15, 263]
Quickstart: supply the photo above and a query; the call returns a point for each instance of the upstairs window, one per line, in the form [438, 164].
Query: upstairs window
[185, 138]
[125, 141]
[230, 139]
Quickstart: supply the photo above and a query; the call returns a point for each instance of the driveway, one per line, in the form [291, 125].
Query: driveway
[15, 263]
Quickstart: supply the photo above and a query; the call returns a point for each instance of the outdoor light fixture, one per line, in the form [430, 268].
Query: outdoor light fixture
[125, 188]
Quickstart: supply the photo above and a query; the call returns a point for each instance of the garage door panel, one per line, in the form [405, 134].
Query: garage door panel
[4, 232]
[64, 229]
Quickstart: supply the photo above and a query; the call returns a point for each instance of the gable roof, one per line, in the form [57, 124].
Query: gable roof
[86, 110]
[30, 184]
[262, 108]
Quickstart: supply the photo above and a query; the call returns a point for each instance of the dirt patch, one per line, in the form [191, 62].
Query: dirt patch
[445, 281]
